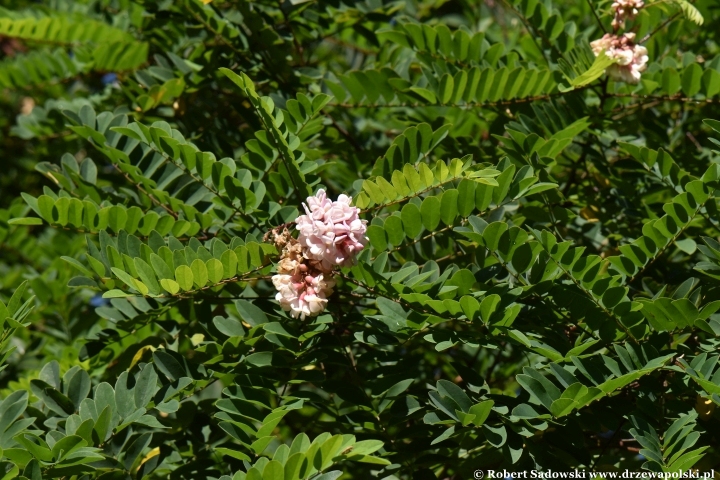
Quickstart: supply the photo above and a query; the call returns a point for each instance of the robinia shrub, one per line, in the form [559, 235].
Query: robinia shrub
[289, 240]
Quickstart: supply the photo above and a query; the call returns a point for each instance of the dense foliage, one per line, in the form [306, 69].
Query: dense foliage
[530, 280]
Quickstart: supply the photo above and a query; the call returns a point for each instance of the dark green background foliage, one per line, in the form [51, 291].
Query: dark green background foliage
[540, 287]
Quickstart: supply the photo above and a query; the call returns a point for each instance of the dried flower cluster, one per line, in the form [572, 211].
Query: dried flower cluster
[625, 10]
[330, 234]
[630, 59]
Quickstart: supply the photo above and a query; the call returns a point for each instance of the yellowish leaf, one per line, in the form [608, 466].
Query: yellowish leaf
[147, 349]
[153, 453]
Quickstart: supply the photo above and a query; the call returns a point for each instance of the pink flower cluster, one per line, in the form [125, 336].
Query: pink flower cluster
[630, 59]
[331, 234]
[303, 295]
[625, 10]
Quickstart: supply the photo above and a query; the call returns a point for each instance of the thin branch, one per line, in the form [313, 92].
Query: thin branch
[533, 33]
[599, 22]
[660, 27]
[345, 134]
[467, 105]
[150, 196]
[296, 44]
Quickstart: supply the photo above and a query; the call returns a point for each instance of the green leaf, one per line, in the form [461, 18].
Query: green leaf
[78, 265]
[25, 221]
[488, 307]
[34, 445]
[52, 398]
[613, 296]
[229, 326]
[115, 293]
[67, 445]
[524, 411]
[199, 273]
[78, 385]
[145, 386]
[690, 11]
[229, 262]
[250, 313]
[466, 197]
[481, 411]
[170, 286]
[423, 94]
[562, 406]
[470, 306]
[711, 82]
[493, 233]
[147, 275]
[232, 453]
[598, 67]
[411, 220]
[459, 397]
[670, 80]
[539, 187]
[215, 270]
[523, 257]
[394, 230]
[430, 212]
[445, 90]
[691, 79]
[274, 470]
[185, 277]
[161, 268]
[377, 236]
[328, 450]
[124, 396]
[538, 389]
[136, 448]
[168, 365]
[449, 206]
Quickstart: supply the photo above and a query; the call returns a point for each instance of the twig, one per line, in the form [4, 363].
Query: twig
[533, 33]
[592, 9]
[466, 105]
[660, 27]
[298, 46]
[345, 134]
[150, 196]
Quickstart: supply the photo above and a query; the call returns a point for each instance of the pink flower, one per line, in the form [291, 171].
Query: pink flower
[630, 59]
[317, 206]
[601, 44]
